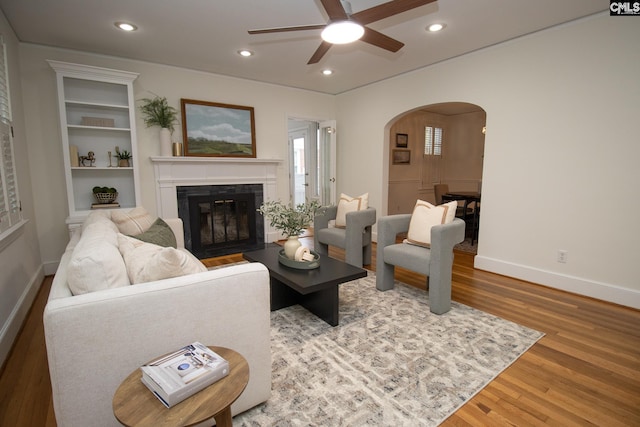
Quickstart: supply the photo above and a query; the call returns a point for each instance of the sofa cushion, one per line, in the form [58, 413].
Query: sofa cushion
[96, 262]
[100, 216]
[136, 221]
[350, 204]
[424, 216]
[146, 262]
[160, 234]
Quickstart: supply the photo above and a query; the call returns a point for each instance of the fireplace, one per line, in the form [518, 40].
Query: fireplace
[221, 219]
[197, 174]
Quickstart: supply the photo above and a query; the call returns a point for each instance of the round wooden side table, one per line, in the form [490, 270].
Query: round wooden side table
[135, 405]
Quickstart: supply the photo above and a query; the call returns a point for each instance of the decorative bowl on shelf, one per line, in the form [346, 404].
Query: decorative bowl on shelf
[300, 265]
[105, 198]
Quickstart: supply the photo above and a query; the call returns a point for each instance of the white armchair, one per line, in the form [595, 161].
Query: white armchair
[355, 238]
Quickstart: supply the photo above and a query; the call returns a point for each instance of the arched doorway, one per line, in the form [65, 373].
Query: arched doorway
[433, 144]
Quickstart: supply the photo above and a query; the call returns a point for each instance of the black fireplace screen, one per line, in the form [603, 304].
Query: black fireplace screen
[221, 219]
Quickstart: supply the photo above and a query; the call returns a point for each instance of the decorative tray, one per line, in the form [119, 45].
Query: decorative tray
[300, 265]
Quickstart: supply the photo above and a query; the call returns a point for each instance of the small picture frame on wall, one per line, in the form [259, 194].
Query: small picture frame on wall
[401, 157]
[402, 140]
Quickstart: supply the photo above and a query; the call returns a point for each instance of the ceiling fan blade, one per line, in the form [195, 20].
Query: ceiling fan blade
[285, 29]
[378, 39]
[334, 10]
[385, 10]
[319, 53]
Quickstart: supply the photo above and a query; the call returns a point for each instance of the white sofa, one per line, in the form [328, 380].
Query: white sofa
[94, 340]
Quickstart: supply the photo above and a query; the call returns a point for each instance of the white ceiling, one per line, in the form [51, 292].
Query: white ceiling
[206, 34]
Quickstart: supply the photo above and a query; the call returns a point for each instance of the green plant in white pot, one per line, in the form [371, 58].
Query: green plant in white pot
[157, 112]
[290, 220]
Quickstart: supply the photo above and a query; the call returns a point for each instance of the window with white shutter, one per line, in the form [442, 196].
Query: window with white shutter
[10, 213]
[432, 141]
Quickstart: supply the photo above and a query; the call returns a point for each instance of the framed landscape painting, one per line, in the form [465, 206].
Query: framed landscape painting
[217, 130]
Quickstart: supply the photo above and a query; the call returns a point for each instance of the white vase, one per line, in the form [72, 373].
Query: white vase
[291, 246]
[166, 148]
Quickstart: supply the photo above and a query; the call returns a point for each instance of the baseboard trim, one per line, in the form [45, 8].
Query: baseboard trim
[576, 285]
[19, 313]
[50, 268]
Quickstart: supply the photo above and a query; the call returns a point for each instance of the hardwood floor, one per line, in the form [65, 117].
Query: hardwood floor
[25, 389]
[584, 371]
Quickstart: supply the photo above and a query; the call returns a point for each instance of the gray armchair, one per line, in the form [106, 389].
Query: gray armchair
[355, 239]
[436, 263]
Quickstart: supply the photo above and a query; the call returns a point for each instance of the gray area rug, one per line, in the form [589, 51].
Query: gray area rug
[390, 362]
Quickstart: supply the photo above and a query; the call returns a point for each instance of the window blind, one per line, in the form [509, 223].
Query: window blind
[5, 109]
[432, 141]
[9, 200]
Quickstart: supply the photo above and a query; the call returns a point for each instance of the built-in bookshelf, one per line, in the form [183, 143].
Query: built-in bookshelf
[97, 114]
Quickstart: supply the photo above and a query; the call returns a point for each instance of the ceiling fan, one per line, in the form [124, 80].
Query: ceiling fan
[340, 14]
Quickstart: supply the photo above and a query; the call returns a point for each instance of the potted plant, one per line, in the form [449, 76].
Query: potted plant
[157, 112]
[290, 220]
[123, 158]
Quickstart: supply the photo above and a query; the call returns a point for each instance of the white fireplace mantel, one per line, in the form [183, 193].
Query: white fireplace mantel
[173, 172]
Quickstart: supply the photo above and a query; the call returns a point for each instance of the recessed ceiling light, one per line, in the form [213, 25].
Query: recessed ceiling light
[245, 53]
[435, 27]
[126, 26]
[327, 72]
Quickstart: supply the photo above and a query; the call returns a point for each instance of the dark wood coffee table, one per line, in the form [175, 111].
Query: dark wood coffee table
[316, 290]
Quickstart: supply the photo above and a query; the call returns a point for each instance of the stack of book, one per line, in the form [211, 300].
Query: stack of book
[176, 376]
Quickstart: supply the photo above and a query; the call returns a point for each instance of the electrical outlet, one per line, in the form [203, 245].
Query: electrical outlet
[562, 256]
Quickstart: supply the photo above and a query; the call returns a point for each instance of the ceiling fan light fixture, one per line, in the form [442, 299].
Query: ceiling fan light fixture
[327, 72]
[246, 53]
[342, 32]
[434, 28]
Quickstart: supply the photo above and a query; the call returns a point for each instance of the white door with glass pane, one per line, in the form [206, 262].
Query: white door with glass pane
[312, 147]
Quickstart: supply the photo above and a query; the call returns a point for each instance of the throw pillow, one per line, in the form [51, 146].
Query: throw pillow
[95, 262]
[350, 204]
[160, 233]
[147, 262]
[135, 221]
[424, 216]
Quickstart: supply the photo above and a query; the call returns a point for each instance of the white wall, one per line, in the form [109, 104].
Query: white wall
[21, 271]
[561, 151]
[273, 105]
